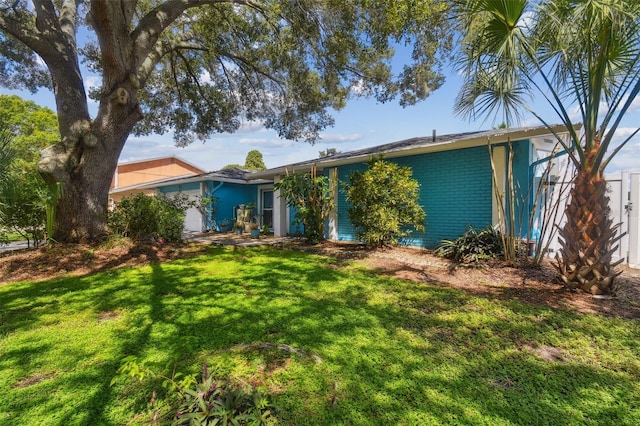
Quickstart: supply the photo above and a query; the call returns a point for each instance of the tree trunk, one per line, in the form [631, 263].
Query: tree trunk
[84, 162]
[82, 209]
[588, 236]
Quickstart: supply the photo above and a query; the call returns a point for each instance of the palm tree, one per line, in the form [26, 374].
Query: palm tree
[578, 55]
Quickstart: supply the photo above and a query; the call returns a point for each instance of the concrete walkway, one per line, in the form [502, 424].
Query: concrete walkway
[233, 239]
[223, 239]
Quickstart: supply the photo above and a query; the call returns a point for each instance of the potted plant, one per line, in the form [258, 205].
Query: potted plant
[254, 229]
[238, 226]
[265, 229]
[224, 225]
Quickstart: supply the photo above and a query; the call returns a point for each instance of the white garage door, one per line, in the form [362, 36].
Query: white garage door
[193, 220]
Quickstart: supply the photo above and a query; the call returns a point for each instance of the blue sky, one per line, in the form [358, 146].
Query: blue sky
[362, 123]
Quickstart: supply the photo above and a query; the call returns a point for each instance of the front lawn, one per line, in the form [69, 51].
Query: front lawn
[361, 349]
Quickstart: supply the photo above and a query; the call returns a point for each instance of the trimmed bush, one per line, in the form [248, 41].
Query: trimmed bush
[141, 217]
[384, 203]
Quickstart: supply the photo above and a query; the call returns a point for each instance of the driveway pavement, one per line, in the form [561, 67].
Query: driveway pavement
[18, 245]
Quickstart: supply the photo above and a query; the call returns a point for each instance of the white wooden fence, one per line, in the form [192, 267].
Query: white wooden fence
[624, 201]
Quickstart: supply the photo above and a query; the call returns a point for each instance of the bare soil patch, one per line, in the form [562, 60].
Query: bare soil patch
[32, 380]
[496, 280]
[79, 259]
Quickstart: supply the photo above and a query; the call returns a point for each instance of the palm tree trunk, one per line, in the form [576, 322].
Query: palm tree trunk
[587, 238]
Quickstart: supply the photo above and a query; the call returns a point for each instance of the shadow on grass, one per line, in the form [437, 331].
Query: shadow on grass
[393, 352]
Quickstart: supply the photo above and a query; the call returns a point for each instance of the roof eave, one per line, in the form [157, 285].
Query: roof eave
[469, 142]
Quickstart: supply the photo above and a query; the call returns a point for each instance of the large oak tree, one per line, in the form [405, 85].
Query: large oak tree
[197, 67]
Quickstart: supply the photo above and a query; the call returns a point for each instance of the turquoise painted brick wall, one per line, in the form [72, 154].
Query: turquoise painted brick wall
[230, 195]
[345, 229]
[522, 158]
[455, 191]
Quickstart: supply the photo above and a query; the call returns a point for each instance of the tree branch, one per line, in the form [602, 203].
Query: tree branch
[68, 19]
[159, 51]
[151, 26]
[46, 18]
[22, 29]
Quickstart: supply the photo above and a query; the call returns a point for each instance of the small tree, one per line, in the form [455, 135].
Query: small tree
[232, 166]
[254, 160]
[22, 205]
[311, 195]
[7, 154]
[384, 203]
[574, 54]
[26, 128]
[22, 192]
[329, 152]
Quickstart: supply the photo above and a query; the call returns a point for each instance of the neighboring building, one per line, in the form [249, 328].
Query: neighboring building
[454, 171]
[131, 176]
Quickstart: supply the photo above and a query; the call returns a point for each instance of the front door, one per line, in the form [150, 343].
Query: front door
[266, 198]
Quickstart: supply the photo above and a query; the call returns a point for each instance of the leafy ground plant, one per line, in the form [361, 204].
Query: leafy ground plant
[473, 246]
[331, 343]
[206, 401]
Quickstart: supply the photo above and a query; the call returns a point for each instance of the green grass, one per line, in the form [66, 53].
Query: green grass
[12, 237]
[392, 352]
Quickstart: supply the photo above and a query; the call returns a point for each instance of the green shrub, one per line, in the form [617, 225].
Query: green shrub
[202, 402]
[141, 216]
[384, 203]
[311, 195]
[473, 246]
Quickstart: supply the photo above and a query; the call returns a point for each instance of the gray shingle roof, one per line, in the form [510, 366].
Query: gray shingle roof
[398, 148]
[411, 147]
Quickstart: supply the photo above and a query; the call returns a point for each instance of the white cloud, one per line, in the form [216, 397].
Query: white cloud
[251, 126]
[635, 104]
[628, 159]
[623, 132]
[333, 138]
[359, 88]
[205, 77]
[92, 82]
[260, 142]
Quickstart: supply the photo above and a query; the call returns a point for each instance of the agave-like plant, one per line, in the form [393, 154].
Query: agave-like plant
[579, 55]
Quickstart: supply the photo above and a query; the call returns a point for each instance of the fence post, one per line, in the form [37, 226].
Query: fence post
[624, 217]
[634, 221]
